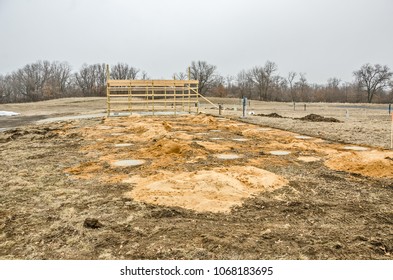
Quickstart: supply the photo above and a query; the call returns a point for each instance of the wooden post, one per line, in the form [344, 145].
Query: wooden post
[197, 95]
[182, 98]
[391, 133]
[147, 97]
[165, 96]
[174, 97]
[152, 97]
[189, 98]
[108, 101]
[108, 75]
[129, 97]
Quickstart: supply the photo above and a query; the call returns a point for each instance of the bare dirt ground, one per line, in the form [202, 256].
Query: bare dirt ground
[322, 200]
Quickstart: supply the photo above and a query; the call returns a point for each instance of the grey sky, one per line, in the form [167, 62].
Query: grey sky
[322, 38]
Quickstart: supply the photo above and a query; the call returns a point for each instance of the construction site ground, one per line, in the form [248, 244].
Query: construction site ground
[205, 187]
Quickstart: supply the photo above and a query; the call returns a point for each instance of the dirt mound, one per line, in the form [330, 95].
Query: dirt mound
[203, 119]
[271, 115]
[368, 163]
[167, 146]
[214, 190]
[317, 118]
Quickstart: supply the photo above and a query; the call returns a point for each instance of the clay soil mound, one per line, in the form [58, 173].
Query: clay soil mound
[368, 163]
[317, 118]
[271, 115]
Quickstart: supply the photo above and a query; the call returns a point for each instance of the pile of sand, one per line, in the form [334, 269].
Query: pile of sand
[368, 163]
[215, 190]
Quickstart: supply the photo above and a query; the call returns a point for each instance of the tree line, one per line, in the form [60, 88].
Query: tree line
[44, 80]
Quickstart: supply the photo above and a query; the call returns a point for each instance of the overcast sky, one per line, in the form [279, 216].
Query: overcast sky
[322, 38]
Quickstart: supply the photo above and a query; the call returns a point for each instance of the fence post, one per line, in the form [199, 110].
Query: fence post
[244, 106]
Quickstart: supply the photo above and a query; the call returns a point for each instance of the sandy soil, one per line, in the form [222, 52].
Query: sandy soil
[320, 201]
[363, 124]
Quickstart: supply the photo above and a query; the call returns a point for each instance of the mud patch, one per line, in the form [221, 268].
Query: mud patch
[215, 190]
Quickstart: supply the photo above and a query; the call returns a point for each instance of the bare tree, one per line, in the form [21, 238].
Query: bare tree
[229, 84]
[270, 68]
[373, 79]
[302, 86]
[122, 71]
[244, 84]
[29, 81]
[258, 78]
[91, 79]
[60, 78]
[145, 76]
[180, 76]
[290, 79]
[205, 73]
[279, 88]
[263, 79]
[5, 89]
[219, 89]
[333, 92]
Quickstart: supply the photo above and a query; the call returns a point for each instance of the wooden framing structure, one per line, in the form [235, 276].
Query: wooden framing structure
[154, 95]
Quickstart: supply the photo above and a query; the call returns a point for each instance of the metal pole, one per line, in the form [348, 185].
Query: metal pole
[244, 106]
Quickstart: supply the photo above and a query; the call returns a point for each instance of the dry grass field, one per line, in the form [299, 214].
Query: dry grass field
[205, 187]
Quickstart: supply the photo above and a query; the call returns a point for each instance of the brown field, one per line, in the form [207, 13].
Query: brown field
[322, 200]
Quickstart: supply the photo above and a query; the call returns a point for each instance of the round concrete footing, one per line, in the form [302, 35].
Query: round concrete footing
[129, 162]
[240, 139]
[227, 156]
[279, 153]
[123, 145]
